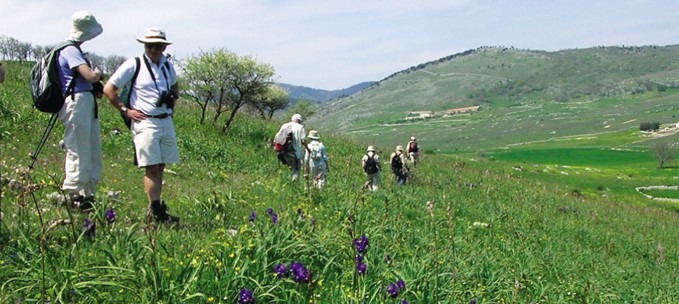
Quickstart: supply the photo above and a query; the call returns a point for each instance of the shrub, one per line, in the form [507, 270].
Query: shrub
[649, 126]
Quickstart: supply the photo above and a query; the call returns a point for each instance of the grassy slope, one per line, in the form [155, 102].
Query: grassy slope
[542, 246]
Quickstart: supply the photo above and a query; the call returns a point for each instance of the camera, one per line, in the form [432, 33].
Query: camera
[168, 98]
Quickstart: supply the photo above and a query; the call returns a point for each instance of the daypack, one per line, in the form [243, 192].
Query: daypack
[396, 164]
[126, 93]
[282, 142]
[315, 152]
[371, 165]
[413, 147]
[45, 86]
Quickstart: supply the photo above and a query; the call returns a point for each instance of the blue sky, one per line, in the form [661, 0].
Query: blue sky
[334, 44]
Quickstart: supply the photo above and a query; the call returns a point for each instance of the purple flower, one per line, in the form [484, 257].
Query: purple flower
[392, 290]
[110, 216]
[252, 217]
[472, 301]
[361, 268]
[403, 301]
[361, 243]
[299, 273]
[90, 228]
[358, 259]
[245, 297]
[280, 270]
[274, 218]
[269, 211]
[400, 284]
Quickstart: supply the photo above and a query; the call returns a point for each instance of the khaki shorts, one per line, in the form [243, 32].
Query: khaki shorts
[155, 142]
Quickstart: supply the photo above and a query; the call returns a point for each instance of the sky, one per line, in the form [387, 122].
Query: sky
[334, 44]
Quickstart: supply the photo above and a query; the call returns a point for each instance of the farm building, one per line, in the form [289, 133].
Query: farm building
[419, 115]
[461, 110]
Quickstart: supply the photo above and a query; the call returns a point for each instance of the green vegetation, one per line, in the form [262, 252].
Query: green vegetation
[460, 230]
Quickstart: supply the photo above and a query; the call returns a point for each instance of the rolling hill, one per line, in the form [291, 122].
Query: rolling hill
[301, 92]
[523, 96]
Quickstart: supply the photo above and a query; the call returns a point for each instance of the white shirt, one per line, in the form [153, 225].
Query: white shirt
[144, 95]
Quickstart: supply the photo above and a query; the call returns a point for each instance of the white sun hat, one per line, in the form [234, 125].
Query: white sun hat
[85, 27]
[154, 35]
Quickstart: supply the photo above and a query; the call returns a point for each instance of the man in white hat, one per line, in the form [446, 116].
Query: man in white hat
[79, 115]
[151, 104]
[316, 159]
[294, 156]
[398, 165]
[371, 166]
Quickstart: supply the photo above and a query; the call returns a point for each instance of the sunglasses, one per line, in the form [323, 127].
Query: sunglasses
[155, 46]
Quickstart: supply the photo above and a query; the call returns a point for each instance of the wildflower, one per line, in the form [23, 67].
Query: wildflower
[400, 284]
[110, 216]
[392, 290]
[274, 218]
[245, 297]
[403, 301]
[299, 273]
[89, 227]
[280, 270]
[269, 211]
[358, 259]
[361, 268]
[252, 217]
[472, 301]
[361, 243]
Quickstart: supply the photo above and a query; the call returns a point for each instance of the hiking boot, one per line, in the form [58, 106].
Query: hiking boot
[84, 204]
[159, 213]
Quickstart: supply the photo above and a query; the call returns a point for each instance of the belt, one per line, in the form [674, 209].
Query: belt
[159, 116]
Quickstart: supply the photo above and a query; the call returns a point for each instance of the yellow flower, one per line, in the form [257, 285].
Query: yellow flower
[210, 299]
[237, 269]
[232, 255]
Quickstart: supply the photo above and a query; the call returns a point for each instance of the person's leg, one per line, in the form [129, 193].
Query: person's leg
[76, 117]
[153, 181]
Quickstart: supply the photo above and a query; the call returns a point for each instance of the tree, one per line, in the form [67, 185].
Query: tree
[664, 151]
[273, 99]
[302, 107]
[111, 63]
[226, 81]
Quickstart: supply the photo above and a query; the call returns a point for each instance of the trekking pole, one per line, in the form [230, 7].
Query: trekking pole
[43, 139]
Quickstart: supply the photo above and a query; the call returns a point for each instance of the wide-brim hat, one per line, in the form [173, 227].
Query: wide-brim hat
[399, 148]
[313, 134]
[371, 149]
[85, 27]
[154, 35]
[296, 118]
[412, 138]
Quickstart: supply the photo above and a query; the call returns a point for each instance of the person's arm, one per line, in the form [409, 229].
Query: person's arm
[91, 75]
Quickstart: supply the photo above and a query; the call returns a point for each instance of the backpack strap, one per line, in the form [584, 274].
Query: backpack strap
[137, 63]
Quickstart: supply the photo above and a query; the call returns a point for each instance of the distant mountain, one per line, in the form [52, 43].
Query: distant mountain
[321, 96]
[523, 95]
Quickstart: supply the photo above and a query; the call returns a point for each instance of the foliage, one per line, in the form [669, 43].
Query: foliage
[649, 126]
[302, 107]
[664, 151]
[459, 231]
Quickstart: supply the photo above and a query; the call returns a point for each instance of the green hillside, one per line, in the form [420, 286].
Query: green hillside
[524, 96]
[460, 231]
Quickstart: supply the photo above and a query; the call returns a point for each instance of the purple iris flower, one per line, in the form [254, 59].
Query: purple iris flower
[110, 216]
[358, 259]
[274, 218]
[400, 284]
[252, 217]
[299, 273]
[245, 297]
[472, 301]
[90, 228]
[361, 243]
[392, 290]
[361, 268]
[280, 270]
[269, 211]
[403, 301]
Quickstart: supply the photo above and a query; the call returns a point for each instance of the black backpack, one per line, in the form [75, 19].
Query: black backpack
[396, 163]
[413, 147]
[45, 86]
[371, 165]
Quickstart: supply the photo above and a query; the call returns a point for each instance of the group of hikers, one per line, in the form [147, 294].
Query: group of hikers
[146, 103]
[293, 151]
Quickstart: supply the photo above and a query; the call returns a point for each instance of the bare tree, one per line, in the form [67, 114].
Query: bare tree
[111, 63]
[664, 151]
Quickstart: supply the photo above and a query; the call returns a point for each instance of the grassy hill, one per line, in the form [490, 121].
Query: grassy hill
[461, 230]
[301, 92]
[523, 95]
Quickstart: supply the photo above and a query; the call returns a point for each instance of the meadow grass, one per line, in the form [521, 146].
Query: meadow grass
[460, 230]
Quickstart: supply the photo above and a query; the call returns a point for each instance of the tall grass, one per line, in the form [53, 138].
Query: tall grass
[486, 236]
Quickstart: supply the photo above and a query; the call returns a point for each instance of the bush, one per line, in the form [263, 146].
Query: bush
[649, 126]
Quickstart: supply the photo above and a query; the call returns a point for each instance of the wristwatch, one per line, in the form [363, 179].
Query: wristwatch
[123, 109]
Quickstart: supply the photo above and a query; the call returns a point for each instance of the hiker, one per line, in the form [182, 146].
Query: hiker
[152, 100]
[2, 73]
[79, 116]
[294, 152]
[398, 165]
[413, 151]
[316, 159]
[371, 166]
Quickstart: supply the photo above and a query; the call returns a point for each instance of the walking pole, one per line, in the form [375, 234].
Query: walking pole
[43, 139]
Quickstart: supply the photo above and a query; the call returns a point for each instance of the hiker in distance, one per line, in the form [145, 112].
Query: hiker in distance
[371, 166]
[295, 148]
[78, 115]
[152, 96]
[413, 151]
[399, 168]
[316, 159]
[2, 73]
